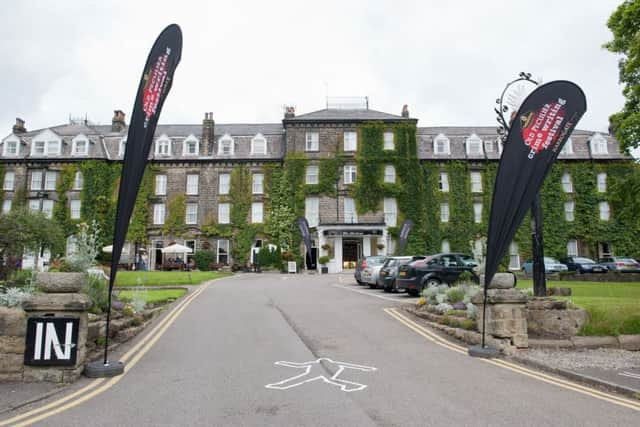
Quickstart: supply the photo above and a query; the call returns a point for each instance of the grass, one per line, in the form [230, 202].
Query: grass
[153, 296]
[165, 278]
[614, 308]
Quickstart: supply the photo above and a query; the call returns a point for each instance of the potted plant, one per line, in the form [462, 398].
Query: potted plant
[380, 246]
[326, 247]
[324, 260]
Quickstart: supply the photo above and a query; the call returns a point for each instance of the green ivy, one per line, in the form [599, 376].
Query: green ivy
[241, 196]
[370, 159]
[99, 195]
[174, 224]
[2, 170]
[61, 213]
[141, 216]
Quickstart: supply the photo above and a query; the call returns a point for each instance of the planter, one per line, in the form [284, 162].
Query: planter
[324, 270]
[58, 283]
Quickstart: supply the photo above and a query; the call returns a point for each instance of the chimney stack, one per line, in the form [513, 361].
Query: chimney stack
[405, 111]
[19, 128]
[289, 112]
[208, 127]
[118, 123]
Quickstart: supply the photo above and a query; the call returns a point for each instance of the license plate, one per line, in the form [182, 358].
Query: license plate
[402, 274]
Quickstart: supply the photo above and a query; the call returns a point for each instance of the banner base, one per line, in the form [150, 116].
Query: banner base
[99, 369]
[484, 352]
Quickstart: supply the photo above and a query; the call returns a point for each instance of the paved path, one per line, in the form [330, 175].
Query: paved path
[276, 350]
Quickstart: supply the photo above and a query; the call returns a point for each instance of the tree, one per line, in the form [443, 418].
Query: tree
[624, 23]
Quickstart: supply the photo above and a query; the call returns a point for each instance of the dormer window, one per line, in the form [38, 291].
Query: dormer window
[441, 145]
[11, 147]
[122, 146]
[225, 145]
[163, 146]
[190, 146]
[258, 144]
[53, 148]
[598, 144]
[80, 146]
[46, 143]
[474, 145]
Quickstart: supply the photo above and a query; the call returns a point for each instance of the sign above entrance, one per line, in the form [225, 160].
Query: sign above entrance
[355, 233]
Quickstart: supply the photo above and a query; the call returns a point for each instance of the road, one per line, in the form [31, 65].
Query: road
[215, 365]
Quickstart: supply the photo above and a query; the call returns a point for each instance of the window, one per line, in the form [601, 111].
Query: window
[122, 147]
[190, 146]
[79, 146]
[474, 145]
[34, 204]
[441, 145]
[256, 213]
[312, 141]
[488, 146]
[10, 148]
[47, 208]
[569, 207]
[572, 247]
[477, 212]
[223, 213]
[50, 181]
[604, 211]
[223, 185]
[163, 146]
[222, 257]
[390, 212]
[158, 213]
[78, 181]
[350, 172]
[311, 176]
[192, 185]
[350, 141]
[74, 208]
[258, 144]
[350, 215]
[225, 145]
[388, 141]
[514, 257]
[444, 212]
[6, 206]
[598, 144]
[390, 174]
[476, 182]
[9, 181]
[445, 247]
[161, 185]
[53, 148]
[38, 148]
[36, 180]
[191, 215]
[258, 183]
[443, 182]
[602, 182]
[312, 211]
[567, 185]
[568, 147]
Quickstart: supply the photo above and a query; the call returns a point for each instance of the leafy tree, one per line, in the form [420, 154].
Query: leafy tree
[624, 23]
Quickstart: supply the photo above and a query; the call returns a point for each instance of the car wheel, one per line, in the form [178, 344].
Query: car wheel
[432, 282]
[387, 289]
[413, 292]
[394, 287]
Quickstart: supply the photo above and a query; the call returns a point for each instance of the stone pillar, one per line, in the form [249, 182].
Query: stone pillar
[60, 297]
[13, 326]
[366, 246]
[506, 310]
[337, 254]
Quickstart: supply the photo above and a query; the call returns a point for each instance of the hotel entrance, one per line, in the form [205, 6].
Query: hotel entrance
[351, 252]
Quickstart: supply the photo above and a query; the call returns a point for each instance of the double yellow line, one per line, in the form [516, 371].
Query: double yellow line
[100, 385]
[436, 339]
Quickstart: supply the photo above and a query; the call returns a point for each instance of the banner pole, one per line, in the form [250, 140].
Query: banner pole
[484, 317]
[106, 337]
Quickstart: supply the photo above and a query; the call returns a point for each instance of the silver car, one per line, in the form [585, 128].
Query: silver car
[371, 272]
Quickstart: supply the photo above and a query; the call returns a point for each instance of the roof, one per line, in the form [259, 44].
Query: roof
[337, 115]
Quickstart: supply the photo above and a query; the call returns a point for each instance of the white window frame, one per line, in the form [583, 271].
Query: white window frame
[189, 141]
[390, 174]
[222, 244]
[11, 142]
[568, 147]
[476, 181]
[389, 141]
[163, 146]
[350, 140]
[159, 212]
[349, 209]
[446, 145]
[38, 148]
[259, 139]
[74, 145]
[36, 184]
[474, 145]
[191, 214]
[226, 141]
[312, 175]
[75, 206]
[514, 256]
[602, 182]
[34, 205]
[605, 211]
[224, 213]
[390, 209]
[54, 147]
[598, 144]
[350, 174]
[572, 247]
[488, 146]
[50, 180]
[78, 181]
[567, 183]
[122, 147]
[312, 211]
[445, 247]
[445, 213]
[443, 182]
[192, 184]
[257, 183]
[161, 185]
[6, 206]
[9, 182]
[47, 208]
[312, 141]
[569, 210]
[224, 183]
[477, 212]
[257, 213]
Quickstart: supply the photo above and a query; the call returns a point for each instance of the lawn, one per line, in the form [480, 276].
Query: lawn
[614, 308]
[153, 296]
[165, 278]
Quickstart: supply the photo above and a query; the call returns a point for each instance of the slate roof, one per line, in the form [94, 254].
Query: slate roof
[343, 115]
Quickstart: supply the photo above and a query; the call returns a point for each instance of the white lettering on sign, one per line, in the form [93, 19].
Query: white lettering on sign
[52, 341]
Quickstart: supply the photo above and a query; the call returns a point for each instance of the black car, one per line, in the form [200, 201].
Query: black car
[583, 265]
[389, 271]
[433, 271]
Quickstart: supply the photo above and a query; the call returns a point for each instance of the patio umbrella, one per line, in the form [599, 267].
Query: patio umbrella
[177, 249]
[108, 249]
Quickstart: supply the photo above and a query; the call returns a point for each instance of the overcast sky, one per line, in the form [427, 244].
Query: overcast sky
[244, 60]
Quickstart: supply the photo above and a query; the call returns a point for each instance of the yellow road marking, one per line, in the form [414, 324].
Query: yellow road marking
[513, 367]
[86, 391]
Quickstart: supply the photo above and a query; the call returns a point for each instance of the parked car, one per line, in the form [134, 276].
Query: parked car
[389, 271]
[361, 265]
[583, 265]
[621, 264]
[369, 275]
[433, 271]
[551, 265]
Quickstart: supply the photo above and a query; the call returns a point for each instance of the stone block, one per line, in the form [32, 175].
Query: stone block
[57, 303]
[12, 377]
[10, 362]
[629, 342]
[34, 374]
[13, 321]
[9, 344]
[550, 343]
[556, 323]
[70, 375]
[501, 296]
[545, 303]
[520, 340]
[500, 281]
[565, 292]
[96, 329]
[595, 342]
[61, 282]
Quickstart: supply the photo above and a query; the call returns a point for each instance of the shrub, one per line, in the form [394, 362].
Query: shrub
[87, 247]
[422, 301]
[465, 277]
[323, 260]
[21, 279]
[443, 307]
[204, 259]
[455, 294]
[472, 311]
[269, 257]
[97, 289]
[441, 298]
[14, 296]
[468, 324]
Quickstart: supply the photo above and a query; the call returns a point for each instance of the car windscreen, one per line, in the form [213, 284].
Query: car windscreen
[581, 260]
[468, 260]
[549, 260]
[376, 260]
